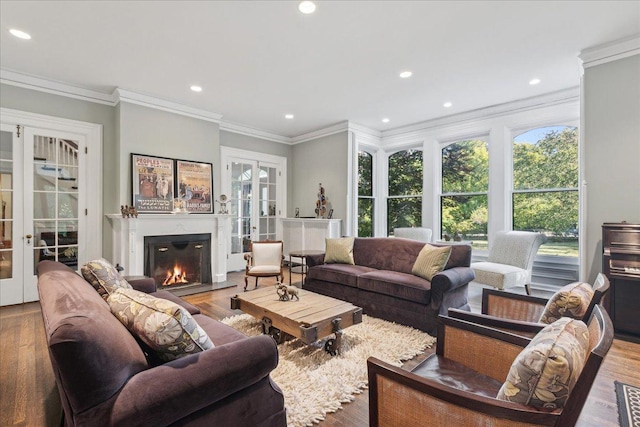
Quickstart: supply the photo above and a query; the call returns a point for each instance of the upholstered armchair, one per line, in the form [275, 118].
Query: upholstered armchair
[527, 315]
[413, 233]
[265, 259]
[478, 376]
[510, 260]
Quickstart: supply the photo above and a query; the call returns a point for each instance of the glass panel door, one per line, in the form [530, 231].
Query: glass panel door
[267, 202]
[51, 209]
[10, 217]
[241, 210]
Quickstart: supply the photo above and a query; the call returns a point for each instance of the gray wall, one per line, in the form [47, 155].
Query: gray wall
[257, 145]
[149, 131]
[59, 106]
[322, 160]
[612, 150]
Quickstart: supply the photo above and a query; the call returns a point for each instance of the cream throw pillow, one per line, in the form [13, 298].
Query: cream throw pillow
[431, 260]
[339, 251]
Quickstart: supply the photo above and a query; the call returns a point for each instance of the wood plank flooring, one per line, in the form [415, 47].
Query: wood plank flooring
[28, 394]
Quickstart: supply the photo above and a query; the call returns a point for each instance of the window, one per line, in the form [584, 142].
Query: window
[366, 201]
[404, 204]
[465, 184]
[545, 187]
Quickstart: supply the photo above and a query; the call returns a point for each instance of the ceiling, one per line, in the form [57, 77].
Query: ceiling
[259, 60]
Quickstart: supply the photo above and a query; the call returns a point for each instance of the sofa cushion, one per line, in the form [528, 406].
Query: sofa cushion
[103, 277]
[571, 300]
[339, 251]
[544, 373]
[399, 285]
[165, 327]
[430, 261]
[344, 274]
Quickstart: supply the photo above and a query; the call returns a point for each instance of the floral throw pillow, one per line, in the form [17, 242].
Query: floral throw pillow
[103, 277]
[165, 327]
[544, 373]
[571, 300]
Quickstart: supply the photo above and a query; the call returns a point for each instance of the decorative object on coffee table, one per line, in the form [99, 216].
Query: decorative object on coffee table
[286, 292]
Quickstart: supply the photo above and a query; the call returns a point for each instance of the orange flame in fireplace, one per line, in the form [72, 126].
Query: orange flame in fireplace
[176, 276]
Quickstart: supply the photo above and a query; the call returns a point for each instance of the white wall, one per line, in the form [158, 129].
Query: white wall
[612, 150]
[322, 160]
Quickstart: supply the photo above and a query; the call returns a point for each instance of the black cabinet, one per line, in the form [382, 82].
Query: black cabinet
[621, 264]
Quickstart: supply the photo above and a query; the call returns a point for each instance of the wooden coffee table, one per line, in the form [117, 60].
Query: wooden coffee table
[310, 319]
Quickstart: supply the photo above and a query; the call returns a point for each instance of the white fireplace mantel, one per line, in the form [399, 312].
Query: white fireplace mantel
[129, 234]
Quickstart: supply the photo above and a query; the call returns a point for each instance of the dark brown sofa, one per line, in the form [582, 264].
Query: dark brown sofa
[104, 378]
[382, 284]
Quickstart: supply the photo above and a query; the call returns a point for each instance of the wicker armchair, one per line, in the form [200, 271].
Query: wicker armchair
[458, 384]
[524, 314]
[265, 259]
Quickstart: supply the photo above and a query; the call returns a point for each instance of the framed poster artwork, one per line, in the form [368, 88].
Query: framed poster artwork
[195, 185]
[152, 183]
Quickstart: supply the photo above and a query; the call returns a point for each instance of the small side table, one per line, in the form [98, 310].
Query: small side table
[302, 254]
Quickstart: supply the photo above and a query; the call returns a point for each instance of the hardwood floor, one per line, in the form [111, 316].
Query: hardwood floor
[28, 394]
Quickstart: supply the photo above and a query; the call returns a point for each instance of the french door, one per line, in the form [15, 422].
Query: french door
[255, 193]
[44, 198]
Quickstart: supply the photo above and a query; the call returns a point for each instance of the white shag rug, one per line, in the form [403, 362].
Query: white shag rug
[315, 383]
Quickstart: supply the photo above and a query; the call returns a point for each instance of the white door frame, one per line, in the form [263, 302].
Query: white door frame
[228, 153]
[91, 207]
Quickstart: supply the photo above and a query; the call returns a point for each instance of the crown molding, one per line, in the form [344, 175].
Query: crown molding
[320, 133]
[366, 135]
[39, 84]
[253, 132]
[124, 95]
[609, 52]
[412, 132]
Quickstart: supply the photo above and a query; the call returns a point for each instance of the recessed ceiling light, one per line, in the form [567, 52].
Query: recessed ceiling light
[385, 120]
[307, 7]
[405, 74]
[447, 104]
[196, 88]
[20, 34]
[533, 82]
[288, 116]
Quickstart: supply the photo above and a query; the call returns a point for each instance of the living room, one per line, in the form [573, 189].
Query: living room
[320, 144]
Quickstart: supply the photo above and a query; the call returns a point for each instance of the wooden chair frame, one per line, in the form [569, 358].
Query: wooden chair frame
[519, 313]
[420, 401]
[249, 259]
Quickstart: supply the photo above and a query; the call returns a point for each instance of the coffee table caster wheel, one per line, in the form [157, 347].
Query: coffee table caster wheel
[330, 347]
[277, 335]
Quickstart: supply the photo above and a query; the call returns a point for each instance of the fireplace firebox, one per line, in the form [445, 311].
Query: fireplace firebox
[178, 261]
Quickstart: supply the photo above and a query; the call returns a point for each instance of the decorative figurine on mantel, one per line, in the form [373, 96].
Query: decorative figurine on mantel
[223, 205]
[128, 211]
[321, 203]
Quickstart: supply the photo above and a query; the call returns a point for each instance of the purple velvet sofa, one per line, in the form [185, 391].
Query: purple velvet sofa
[104, 378]
[382, 284]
